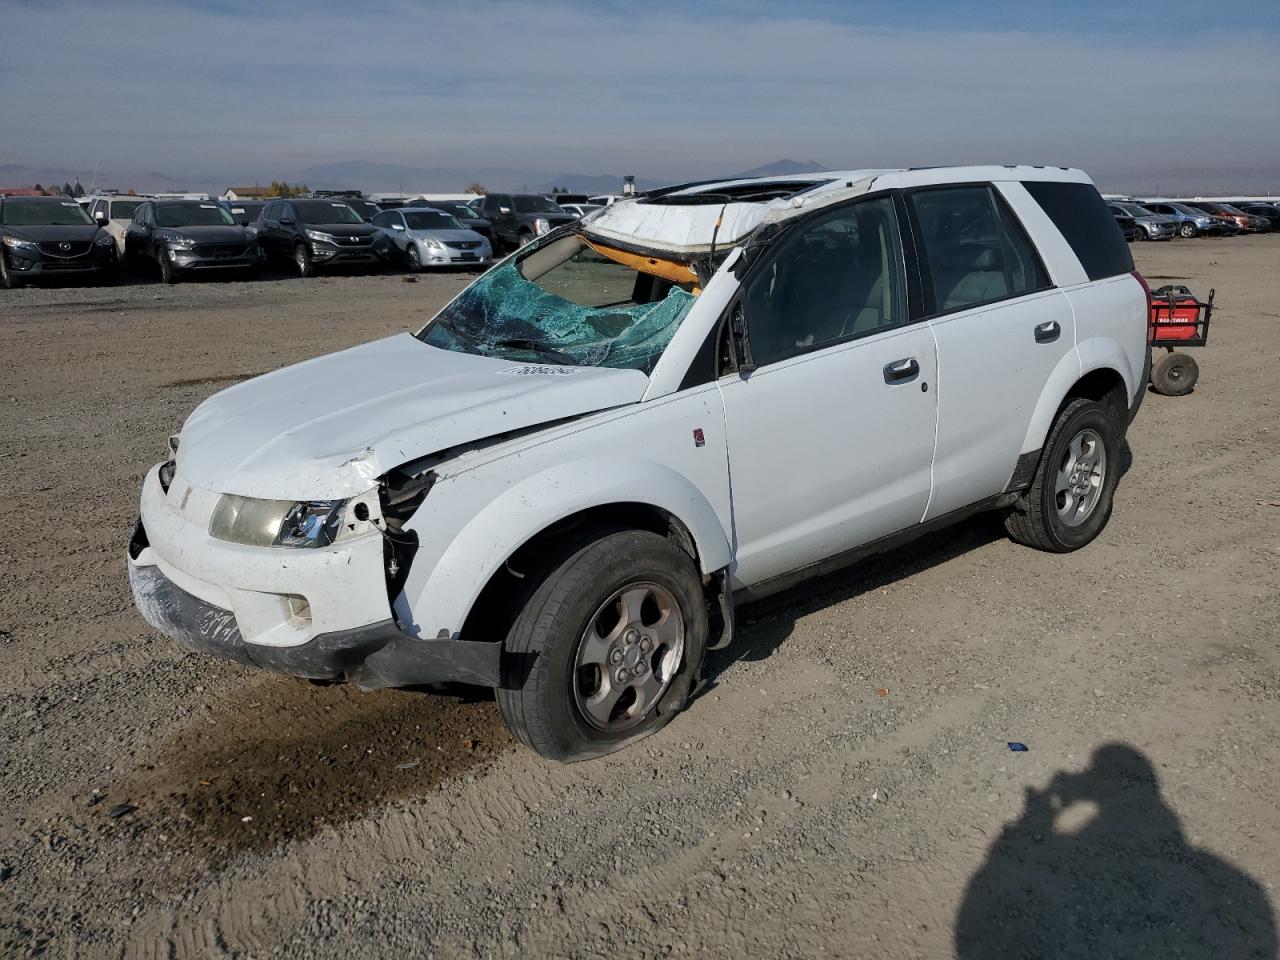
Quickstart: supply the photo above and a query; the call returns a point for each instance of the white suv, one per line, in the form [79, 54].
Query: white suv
[562, 484]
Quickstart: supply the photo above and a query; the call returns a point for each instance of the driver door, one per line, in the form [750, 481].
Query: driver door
[831, 437]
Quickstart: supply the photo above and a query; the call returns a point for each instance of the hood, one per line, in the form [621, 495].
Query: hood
[449, 236]
[329, 427]
[211, 234]
[45, 232]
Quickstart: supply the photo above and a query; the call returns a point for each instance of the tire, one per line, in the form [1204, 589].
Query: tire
[1081, 455]
[413, 259]
[7, 280]
[1187, 230]
[1175, 374]
[167, 273]
[555, 690]
[524, 240]
[302, 261]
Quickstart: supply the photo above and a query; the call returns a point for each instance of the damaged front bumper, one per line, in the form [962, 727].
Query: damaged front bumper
[373, 656]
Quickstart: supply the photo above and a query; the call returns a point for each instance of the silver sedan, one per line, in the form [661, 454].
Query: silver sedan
[427, 237]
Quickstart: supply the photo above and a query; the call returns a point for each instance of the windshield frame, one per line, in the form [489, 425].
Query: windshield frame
[315, 203]
[42, 203]
[226, 220]
[451, 222]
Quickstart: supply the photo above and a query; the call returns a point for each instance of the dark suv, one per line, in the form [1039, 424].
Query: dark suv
[188, 236]
[315, 234]
[51, 236]
[519, 218]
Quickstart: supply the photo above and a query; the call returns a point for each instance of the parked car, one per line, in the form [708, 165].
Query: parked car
[244, 212]
[183, 237]
[1127, 224]
[361, 204]
[605, 199]
[520, 218]
[1267, 211]
[1151, 226]
[580, 210]
[562, 484]
[466, 215]
[319, 234]
[1247, 223]
[114, 214]
[427, 237]
[1190, 221]
[563, 199]
[43, 237]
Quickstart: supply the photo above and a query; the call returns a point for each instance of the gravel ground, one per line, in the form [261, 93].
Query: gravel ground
[843, 788]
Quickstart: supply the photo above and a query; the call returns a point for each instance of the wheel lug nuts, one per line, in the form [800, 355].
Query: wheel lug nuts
[631, 636]
[623, 676]
[646, 644]
[616, 656]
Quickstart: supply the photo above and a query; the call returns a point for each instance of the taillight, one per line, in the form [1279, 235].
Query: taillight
[1146, 289]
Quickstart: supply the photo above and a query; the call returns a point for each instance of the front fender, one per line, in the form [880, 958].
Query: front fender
[440, 598]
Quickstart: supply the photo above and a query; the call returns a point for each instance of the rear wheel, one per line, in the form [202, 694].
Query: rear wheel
[302, 260]
[1069, 501]
[600, 645]
[7, 279]
[1175, 374]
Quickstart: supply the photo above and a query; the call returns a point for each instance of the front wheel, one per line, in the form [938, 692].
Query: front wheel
[167, 273]
[1188, 230]
[525, 239]
[302, 260]
[605, 648]
[1069, 501]
[413, 258]
[7, 279]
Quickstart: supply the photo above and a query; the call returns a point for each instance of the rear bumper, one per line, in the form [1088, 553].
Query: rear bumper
[373, 656]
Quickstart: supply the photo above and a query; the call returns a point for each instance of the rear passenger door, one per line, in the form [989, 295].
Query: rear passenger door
[831, 435]
[1001, 328]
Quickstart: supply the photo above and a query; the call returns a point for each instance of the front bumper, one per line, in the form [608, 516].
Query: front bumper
[374, 656]
[28, 263]
[451, 257]
[327, 254]
[235, 259]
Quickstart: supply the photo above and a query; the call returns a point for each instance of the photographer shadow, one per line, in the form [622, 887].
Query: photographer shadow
[1124, 883]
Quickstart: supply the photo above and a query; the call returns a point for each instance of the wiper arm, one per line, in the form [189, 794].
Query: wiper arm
[539, 348]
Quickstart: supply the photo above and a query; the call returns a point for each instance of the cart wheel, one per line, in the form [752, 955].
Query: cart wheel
[1175, 374]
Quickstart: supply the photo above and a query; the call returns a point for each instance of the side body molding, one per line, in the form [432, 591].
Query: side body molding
[441, 598]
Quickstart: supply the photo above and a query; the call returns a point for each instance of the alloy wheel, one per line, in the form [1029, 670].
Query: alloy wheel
[1081, 477]
[627, 656]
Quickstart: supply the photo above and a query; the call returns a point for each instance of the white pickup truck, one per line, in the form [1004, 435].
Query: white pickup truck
[562, 484]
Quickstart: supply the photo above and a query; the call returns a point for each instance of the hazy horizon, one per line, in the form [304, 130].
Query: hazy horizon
[1155, 93]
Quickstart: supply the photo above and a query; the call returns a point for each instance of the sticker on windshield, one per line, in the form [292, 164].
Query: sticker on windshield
[208, 206]
[539, 371]
[69, 203]
[337, 204]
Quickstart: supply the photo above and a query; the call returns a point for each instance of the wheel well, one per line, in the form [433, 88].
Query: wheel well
[490, 616]
[1104, 386]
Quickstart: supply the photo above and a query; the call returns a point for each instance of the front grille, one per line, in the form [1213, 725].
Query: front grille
[65, 248]
[462, 244]
[220, 250]
[347, 241]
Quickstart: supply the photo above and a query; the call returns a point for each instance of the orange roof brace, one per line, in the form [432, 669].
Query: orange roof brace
[671, 270]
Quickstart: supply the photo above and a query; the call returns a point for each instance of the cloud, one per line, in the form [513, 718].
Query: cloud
[671, 93]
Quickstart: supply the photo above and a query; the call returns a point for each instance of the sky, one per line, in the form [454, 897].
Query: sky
[1132, 92]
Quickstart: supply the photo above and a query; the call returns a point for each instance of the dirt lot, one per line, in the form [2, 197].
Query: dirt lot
[844, 788]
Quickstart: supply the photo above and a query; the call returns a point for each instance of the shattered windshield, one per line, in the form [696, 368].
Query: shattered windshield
[566, 303]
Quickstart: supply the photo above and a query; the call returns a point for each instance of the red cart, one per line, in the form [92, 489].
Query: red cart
[1178, 319]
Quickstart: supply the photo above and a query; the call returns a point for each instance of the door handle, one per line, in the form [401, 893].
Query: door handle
[901, 370]
[1048, 332]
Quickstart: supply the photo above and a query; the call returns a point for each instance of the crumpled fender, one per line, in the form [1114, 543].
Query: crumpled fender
[526, 509]
[1096, 353]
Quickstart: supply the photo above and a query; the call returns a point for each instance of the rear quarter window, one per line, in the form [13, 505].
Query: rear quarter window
[1083, 219]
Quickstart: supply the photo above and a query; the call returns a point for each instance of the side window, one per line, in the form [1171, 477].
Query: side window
[286, 212]
[99, 206]
[381, 220]
[976, 252]
[836, 278]
[1084, 221]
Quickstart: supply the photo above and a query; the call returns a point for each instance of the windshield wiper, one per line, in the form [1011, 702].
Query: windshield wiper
[541, 349]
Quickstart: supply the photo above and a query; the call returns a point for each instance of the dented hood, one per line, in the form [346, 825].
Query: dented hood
[329, 427]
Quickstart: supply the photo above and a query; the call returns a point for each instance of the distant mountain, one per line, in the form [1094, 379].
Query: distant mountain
[389, 178]
[144, 181]
[783, 168]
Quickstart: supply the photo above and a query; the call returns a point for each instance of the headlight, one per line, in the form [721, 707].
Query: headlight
[431, 243]
[106, 240]
[284, 523]
[17, 244]
[319, 236]
[541, 225]
[177, 240]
